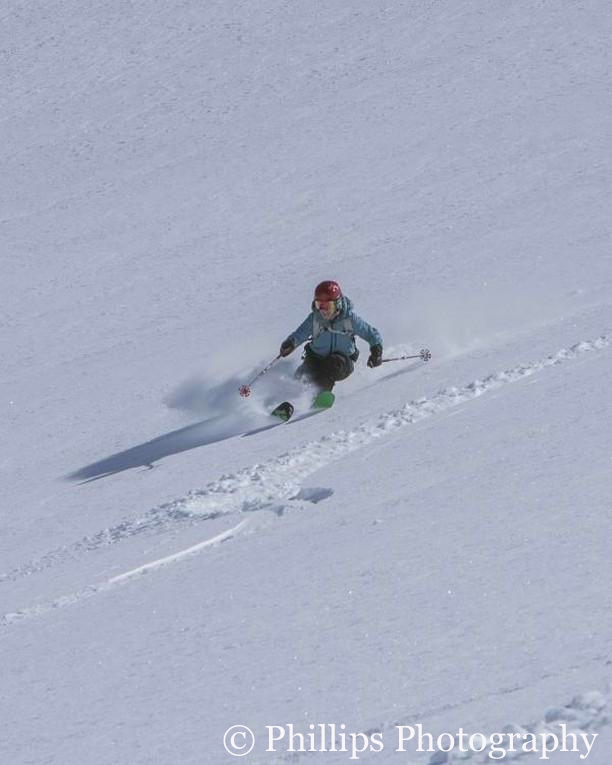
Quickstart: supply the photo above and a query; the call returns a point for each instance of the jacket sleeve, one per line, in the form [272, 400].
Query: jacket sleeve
[366, 331]
[303, 332]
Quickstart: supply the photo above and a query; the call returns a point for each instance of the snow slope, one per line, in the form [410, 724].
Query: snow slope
[435, 549]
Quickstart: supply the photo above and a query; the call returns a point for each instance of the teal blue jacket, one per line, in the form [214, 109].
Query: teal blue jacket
[337, 335]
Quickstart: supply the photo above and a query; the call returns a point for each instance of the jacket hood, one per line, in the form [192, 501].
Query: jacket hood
[347, 307]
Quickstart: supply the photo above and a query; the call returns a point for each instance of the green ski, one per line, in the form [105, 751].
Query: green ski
[323, 400]
[283, 411]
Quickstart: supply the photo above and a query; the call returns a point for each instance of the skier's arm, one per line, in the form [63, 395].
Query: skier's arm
[366, 331]
[301, 334]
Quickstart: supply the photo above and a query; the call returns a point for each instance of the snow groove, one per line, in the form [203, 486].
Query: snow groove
[86, 592]
[181, 555]
[156, 521]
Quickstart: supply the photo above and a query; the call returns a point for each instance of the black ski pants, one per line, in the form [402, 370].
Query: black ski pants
[324, 371]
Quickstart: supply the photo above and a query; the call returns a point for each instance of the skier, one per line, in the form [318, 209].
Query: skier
[331, 327]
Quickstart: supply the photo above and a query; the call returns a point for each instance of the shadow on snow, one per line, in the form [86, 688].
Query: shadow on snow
[144, 455]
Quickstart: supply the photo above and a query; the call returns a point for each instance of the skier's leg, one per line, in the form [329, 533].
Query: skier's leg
[315, 371]
[307, 369]
[342, 366]
[334, 368]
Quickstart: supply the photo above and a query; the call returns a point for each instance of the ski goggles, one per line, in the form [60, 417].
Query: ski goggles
[326, 306]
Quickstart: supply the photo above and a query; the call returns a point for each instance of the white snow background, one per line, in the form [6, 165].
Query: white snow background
[174, 180]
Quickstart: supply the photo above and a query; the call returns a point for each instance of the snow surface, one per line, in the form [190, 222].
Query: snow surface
[175, 178]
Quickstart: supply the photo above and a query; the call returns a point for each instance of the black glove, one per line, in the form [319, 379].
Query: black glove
[375, 359]
[287, 347]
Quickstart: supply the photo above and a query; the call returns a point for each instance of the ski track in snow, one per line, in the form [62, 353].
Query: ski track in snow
[109, 584]
[279, 479]
[270, 485]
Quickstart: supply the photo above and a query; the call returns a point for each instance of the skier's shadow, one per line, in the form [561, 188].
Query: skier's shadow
[144, 455]
[403, 370]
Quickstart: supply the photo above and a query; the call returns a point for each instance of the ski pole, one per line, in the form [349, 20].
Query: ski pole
[245, 390]
[424, 354]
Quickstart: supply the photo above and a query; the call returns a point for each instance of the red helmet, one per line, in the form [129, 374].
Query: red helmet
[328, 291]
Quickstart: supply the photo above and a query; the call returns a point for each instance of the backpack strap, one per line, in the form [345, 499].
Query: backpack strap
[346, 325]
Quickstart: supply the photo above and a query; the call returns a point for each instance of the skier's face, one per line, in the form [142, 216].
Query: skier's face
[327, 308]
